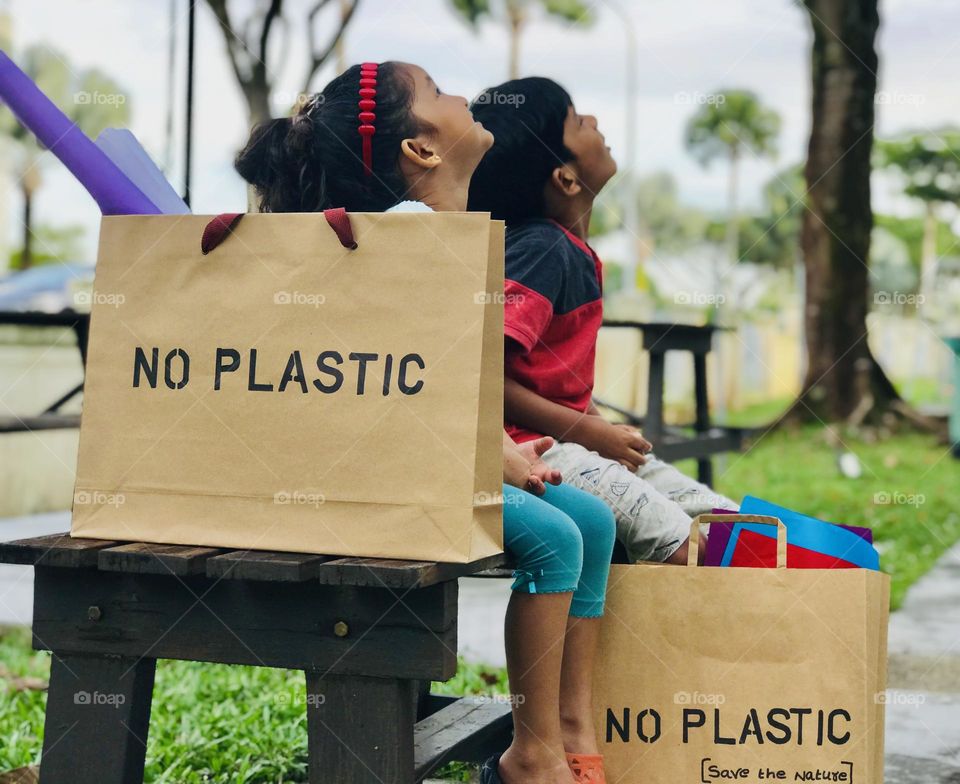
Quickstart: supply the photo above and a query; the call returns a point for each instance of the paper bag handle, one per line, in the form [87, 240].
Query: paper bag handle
[693, 549]
[216, 230]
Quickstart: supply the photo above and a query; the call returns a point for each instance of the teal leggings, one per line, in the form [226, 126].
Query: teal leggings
[560, 542]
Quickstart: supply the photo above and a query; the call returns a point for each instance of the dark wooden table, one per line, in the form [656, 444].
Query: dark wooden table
[369, 635]
[672, 443]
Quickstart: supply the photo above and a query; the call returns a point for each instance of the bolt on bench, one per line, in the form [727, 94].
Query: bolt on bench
[369, 634]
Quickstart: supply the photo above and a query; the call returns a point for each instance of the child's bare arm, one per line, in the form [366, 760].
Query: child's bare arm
[526, 408]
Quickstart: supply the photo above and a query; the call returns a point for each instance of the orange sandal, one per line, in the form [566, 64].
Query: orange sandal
[587, 768]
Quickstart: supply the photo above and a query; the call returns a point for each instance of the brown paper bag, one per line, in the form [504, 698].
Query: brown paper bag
[380, 438]
[710, 674]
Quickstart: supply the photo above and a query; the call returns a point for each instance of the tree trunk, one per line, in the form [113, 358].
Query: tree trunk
[257, 95]
[515, 19]
[26, 258]
[843, 380]
[732, 238]
[928, 250]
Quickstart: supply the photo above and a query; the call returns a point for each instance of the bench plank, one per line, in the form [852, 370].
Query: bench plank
[468, 730]
[54, 550]
[150, 558]
[388, 573]
[334, 629]
[265, 565]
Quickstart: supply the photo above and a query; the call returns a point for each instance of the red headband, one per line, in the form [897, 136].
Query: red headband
[368, 89]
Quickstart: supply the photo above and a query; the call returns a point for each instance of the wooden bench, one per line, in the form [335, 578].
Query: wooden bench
[369, 634]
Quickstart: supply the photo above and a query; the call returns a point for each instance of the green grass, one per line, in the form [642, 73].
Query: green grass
[210, 723]
[907, 493]
[213, 724]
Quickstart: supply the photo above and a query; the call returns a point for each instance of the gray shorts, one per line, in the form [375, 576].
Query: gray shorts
[653, 507]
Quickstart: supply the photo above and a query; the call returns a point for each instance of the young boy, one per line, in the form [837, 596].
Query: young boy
[546, 167]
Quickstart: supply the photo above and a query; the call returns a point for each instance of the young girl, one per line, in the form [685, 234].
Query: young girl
[384, 136]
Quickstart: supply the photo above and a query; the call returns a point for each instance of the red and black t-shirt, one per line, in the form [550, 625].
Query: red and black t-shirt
[552, 314]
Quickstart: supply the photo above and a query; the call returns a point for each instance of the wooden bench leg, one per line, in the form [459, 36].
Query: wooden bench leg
[702, 423]
[360, 729]
[98, 714]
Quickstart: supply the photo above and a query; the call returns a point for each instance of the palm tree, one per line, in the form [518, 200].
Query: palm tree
[516, 14]
[930, 164]
[90, 98]
[729, 123]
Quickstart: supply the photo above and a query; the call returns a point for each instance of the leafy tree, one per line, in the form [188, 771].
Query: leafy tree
[771, 236]
[728, 125]
[90, 98]
[516, 15]
[930, 165]
[57, 243]
[664, 222]
[911, 232]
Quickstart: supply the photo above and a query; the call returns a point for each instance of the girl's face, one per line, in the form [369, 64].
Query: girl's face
[456, 136]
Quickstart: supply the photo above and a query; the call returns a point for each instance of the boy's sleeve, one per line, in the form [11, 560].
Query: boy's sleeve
[534, 269]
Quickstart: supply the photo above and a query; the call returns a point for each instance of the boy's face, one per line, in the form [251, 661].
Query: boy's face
[592, 162]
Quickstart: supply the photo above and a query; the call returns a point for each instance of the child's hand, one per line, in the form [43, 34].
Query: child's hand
[532, 451]
[622, 443]
[518, 472]
[645, 446]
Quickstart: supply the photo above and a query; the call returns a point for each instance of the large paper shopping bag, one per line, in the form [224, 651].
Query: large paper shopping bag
[742, 674]
[311, 382]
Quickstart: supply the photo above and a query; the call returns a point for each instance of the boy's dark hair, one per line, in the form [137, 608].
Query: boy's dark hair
[311, 161]
[526, 118]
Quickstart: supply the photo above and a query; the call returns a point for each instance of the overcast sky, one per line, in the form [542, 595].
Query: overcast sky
[685, 48]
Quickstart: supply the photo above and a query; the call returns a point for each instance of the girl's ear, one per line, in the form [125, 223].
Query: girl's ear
[565, 180]
[421, 153]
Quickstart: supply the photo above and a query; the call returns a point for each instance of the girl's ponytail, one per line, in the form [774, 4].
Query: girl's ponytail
[264, 161]
[313, 160]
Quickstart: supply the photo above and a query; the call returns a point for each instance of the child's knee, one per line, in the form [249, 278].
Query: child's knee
[598, 527]
[550, 556]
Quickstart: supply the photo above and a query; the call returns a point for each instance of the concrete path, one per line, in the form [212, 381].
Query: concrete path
[923, 701]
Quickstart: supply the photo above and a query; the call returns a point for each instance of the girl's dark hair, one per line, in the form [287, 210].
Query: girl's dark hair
[526, 118]
[312, 160]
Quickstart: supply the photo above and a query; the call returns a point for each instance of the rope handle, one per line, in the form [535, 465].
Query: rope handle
[216, 231]
[694, 546]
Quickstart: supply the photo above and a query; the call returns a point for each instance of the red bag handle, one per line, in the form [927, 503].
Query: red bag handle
[216, 230]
